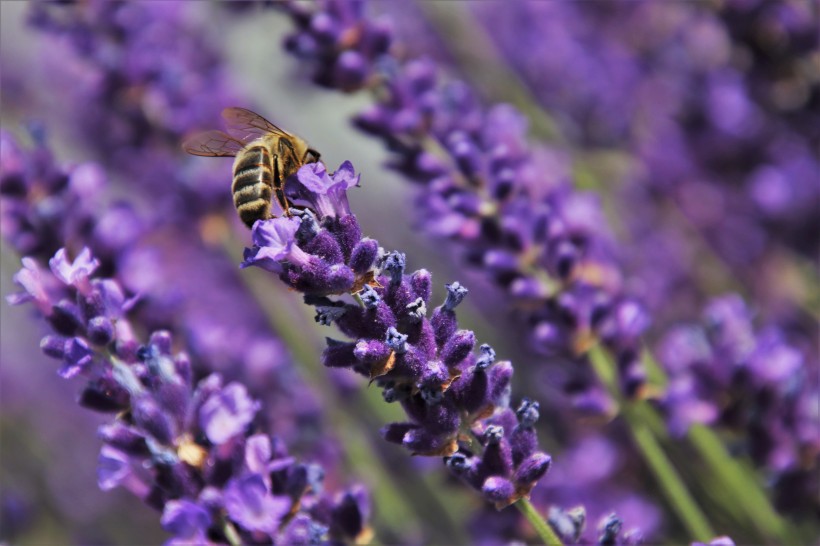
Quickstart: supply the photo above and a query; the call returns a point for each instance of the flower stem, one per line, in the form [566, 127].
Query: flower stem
[670, 482]
[541, 527]
[737, 479]
[231, 535]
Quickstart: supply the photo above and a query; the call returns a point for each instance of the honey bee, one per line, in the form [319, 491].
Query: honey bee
[265, 157]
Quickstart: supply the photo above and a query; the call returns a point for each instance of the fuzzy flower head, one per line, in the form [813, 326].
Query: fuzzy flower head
[326, 193]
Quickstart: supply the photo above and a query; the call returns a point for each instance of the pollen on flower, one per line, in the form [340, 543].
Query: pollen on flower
[190, 452]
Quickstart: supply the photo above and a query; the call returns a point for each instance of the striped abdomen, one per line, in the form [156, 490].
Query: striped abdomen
[253, 184]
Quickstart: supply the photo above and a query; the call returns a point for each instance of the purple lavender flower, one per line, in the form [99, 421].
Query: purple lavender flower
[726, 373]
[427, 364]
[185, 448]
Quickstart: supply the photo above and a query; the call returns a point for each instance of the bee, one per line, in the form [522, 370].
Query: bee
[265, 157]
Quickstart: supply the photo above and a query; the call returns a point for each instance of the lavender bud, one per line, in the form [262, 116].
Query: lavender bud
[422, 285]
[350, 514]
[370, 298]
[500, 377]
[609, 528]
[162, 340]
[458, 348]
[105, 396]
[113, 467]
[100, 330]
[78, 355]
[487, 357]
[527, 413]
[497, 489]
[124, 438]
[416, 310]
[394, 264]
[65, 318]
[532, 469]
[185, 520]
[396, 341]
[338, 354]
[350, 70]
[497, 457]
[568, 524]
[395, 432]
[326, 315]
[455, 294]
[364, 255]
[493, 435]
[308, 227]
[53, 346]
[150, 417]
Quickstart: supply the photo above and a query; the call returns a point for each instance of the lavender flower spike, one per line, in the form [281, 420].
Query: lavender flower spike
[428, 365]
[187, 449]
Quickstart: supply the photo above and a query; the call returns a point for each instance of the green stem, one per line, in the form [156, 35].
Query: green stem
[670, 482]
[735, 476]
[231, 535]
[541, 527]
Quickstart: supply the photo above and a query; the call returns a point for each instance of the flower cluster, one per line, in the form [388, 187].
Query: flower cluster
[46, 206]
[343, 46]
[189, 450]
[727, 373]
[542, 242]
[457, 402]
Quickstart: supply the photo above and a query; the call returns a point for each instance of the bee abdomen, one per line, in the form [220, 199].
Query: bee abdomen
[253, 185]
[253, 211]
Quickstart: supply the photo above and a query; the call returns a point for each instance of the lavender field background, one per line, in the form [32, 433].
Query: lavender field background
[630, 192]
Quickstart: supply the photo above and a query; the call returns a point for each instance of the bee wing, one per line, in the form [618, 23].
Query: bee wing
[246, 125]
[213, 144]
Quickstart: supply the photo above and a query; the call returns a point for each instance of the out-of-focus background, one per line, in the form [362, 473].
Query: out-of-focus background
[742, 224]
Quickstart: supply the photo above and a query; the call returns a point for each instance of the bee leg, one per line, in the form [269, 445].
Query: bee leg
[283, 202]
[279, 187]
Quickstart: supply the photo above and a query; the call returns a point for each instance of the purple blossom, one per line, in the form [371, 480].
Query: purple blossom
[227, 413]
[727, 373]
[187, 448]
[326, 193]
[186, 521]
[249, 502]
[275, 242]
[405, 352]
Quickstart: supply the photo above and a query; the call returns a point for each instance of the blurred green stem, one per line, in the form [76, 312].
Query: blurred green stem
[742, 481]
[739, 480]
[545, 532]
[670, 482]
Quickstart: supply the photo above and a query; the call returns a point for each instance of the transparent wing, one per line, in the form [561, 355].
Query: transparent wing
[213, 144]
[246, 125]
